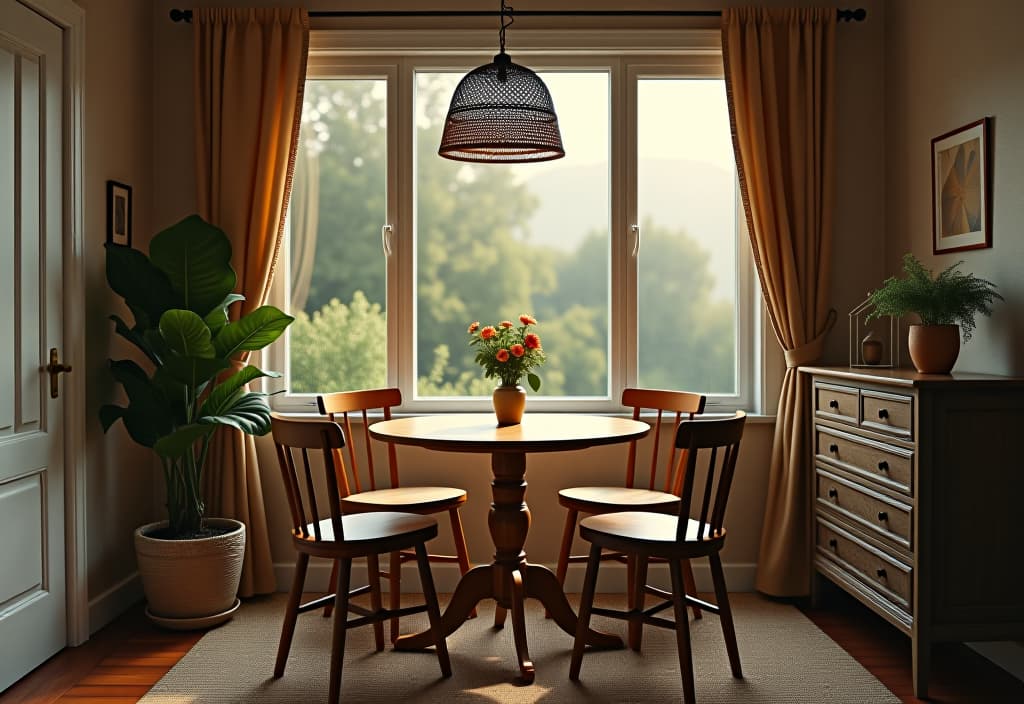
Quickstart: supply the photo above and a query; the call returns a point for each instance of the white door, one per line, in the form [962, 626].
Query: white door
[32, 584]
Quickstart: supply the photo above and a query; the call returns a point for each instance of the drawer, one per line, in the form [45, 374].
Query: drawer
[875, 512]
[865, 563]
[887, 413]
[888, 465]
[836, 402]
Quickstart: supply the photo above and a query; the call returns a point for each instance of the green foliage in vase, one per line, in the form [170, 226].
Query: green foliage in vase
[179, 297]
[950, 298]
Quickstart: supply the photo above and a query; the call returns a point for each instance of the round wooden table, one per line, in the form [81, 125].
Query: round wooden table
[510, 579]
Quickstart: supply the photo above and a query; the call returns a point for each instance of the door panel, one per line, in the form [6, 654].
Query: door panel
[32, 582]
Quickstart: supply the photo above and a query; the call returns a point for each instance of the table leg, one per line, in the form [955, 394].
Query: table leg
[509, 580]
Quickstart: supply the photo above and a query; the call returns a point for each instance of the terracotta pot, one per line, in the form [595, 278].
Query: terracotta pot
[509, 403]
[934, 348]
[191, 583]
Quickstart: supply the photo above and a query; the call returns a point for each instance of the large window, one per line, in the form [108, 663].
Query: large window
[626, 251]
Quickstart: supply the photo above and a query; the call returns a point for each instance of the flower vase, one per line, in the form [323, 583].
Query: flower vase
[509, 401]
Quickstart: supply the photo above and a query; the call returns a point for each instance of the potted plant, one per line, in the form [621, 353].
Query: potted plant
[508, 352]
[179, 297]
[946, 305]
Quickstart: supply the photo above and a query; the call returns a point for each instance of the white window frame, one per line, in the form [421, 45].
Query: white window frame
[627, 56]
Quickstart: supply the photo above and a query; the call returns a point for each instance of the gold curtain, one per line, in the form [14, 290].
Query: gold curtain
[779, 74]
[250, 69]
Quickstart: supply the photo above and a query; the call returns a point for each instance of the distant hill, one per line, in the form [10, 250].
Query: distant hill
[678, 194]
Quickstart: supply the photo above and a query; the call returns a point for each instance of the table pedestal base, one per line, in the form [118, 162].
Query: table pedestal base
[510, 579]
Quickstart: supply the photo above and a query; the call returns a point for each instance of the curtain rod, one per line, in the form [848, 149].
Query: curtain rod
[857, 15]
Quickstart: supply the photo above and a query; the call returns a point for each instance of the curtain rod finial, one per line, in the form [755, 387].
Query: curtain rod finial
[181, 15]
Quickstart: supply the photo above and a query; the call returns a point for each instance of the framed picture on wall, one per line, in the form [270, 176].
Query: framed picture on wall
[961, 189]
[119, 213]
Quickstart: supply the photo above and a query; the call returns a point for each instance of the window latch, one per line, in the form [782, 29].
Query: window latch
[635, 229]
[386, 232]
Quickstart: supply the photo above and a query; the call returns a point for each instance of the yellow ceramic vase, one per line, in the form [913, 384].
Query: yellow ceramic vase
[509, 402]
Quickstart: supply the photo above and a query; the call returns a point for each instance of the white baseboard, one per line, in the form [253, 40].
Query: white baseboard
[114, 601]
[610, 579]
[1009, 655]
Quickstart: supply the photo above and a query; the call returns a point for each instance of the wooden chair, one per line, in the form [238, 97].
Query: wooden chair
[343, 538]
[660, 495]
[711, 448]
[375, 495]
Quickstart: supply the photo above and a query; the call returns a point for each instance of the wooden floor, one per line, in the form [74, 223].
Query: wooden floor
[122, 661]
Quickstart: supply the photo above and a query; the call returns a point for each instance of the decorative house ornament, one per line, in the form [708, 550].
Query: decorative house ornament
[873, 343]
[501, 113]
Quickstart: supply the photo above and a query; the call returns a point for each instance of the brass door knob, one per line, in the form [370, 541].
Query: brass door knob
[55, 369]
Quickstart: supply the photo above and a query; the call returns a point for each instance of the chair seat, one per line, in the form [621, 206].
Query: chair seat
[414, 499]
[373, 529]
[651, 532]
[602, 499]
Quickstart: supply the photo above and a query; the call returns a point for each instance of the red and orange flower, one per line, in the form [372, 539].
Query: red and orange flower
[508, 351]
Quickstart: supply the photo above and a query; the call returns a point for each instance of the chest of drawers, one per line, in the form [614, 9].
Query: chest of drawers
[916, 493]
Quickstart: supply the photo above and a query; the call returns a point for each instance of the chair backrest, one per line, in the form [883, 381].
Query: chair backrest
[294, 441]
[679, 403]
[337, 406]
[710, 447]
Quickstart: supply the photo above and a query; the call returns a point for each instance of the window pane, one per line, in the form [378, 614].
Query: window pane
[687, 295]
[494, 241]
[337, 276]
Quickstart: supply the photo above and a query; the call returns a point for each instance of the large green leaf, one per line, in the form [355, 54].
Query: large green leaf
[218, 317]
[148, 415]
[145, 288]
[248, 412]
[182, 440]
[193, 372]
[196, 257]
[226, 392]
[186, 334]
[134, 336]
[110, 414]
[252, 332]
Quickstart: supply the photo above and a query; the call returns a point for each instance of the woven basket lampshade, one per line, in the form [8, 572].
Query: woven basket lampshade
[501, 113]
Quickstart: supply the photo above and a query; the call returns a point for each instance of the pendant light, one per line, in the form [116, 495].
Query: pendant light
[501, 113]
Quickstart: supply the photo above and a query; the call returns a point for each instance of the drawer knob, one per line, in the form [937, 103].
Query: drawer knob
[883, 516]
[833, 493]
[881, 573]
[882, 413]
[833, 543]
[883, 466]
[834, 404]
[833, 448]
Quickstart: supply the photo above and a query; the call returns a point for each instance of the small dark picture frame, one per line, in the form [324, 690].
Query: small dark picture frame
[119, 213]
[962, 189]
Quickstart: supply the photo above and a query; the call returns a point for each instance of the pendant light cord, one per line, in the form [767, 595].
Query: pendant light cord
[505, 10]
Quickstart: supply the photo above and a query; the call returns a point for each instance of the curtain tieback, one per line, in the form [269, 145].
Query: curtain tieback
[811, 351]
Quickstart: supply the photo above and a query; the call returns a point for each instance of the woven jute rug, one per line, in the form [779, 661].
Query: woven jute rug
[786, 660]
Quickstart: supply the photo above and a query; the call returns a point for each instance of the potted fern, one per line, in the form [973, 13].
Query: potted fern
[946, 305]
[179, 297]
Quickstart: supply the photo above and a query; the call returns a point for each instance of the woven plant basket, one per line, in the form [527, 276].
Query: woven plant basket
[192, 581]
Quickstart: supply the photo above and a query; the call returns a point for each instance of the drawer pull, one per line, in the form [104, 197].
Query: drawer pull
[883, 466]
[833, 448]
[833, 493]
[882, 413]
[833, 404]
[881, 573]
[883, 516]
[833, 543]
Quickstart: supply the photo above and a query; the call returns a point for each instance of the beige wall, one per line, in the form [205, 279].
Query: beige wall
[858, 262]
[949, 63]
[117, 145]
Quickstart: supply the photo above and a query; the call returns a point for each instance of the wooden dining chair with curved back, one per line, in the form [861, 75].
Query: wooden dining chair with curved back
[380, 493]
[711, 448]
[658, 492]
[343, 537]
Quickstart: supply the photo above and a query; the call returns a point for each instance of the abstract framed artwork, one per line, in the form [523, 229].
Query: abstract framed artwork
[961, 189]
[119, 213]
